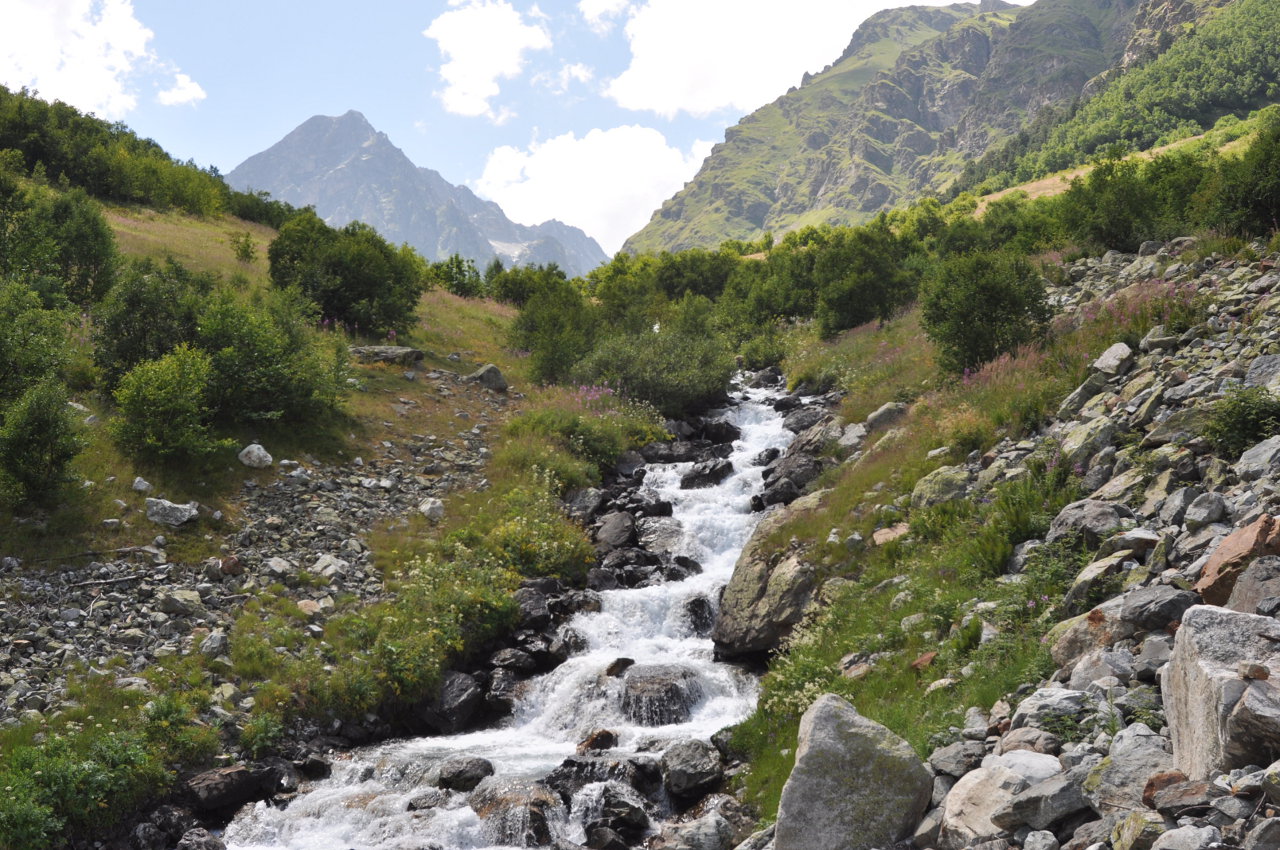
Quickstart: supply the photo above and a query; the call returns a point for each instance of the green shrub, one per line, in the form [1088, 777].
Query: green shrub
[267, 361]
[1245, 416]
[261, 734]
[38, 440]
[32, 339]
[982, 305]
[151, 310]
[164, 409]
[676, 373]
[556, 326]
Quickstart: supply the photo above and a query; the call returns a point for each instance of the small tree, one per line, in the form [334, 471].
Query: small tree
[245, 249]
[982, 305]
[37, 442]
[164, 410]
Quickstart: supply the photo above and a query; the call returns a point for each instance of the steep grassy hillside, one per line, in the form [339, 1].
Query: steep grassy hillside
[769, 157]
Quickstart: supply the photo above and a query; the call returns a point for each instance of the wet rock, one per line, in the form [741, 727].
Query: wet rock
[200, 839]
[706, 474]
[516, 812]
[621, 812]
[601, 739]
[455, 704]
[642, 773]
[691, 768]
[617, 531]
[464, 773]
[226, 788]
[701, 615]
[659, 694]
[855, 785]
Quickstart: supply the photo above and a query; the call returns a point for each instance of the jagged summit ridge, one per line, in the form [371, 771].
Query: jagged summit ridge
[350, 171]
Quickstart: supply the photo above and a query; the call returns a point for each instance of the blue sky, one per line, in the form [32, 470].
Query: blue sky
[590, 111]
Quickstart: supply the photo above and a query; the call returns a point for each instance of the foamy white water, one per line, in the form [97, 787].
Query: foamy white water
[363, 805]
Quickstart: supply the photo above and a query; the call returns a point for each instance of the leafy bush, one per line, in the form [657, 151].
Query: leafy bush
[353, 274]
[556, 327]
[677, 373]
[32, 339]
[261, 734]
[164, 407]
[38, 440]
[267, 360]
[151, 310]
[1245, 416]
[982, 305]
[593, 425]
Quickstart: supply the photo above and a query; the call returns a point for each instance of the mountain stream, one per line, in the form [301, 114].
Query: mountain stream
[364, 804]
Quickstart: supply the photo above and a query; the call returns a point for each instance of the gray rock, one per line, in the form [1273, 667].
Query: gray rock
[164, 512]
[1082, 442]
[855, 785]
[455, 703]
[490, 377]
[1156, 606]
[180, 603]
[1259, 460]
[709, 832]
[1189, 838]
[1053, 707]
[1116, 785]
[1264, 836]
[1040, 840]
[141, 485]
[1207, 508]
[968, 812]
[1176, 503]
[617, 531]
[1093, 520]
[464, 773]
[255, 456]
[1116, 360]
[945, 484]
[516, 811]
[765, 596]
[1044, 803]
[708, 473]
[958, 759]
[1217, 720]
[431, 508]
[200, 839]
[691, 768]
[886, 416]
[395, 354]
[1259, 581]
[1263, 371]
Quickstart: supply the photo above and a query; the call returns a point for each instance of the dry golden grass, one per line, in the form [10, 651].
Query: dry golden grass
[203, 244]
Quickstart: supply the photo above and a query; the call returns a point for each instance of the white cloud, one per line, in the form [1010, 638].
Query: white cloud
[599, 14]
[184, 90]
[608, 182]
[87, 53]
[558, 82]
[737, 54]
[482, 41]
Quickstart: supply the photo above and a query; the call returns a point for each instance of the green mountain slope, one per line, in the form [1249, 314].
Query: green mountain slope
[777, 149]
[843, 147]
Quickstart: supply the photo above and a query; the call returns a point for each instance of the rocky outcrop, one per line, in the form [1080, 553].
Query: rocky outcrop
[1223, 708]
[855, 786]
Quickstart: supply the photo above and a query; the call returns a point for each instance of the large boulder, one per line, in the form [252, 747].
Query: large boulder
[255, 456]
[1259, 581]
[224, 789]
[1115, 786]
[1259, 460]
[454, 705]
[944, 484]
[970, 806]
[1234, 554]
[765, 596]
[464, 773]
[1219, 719]
[1092, 519]
[855, 785]
[515, 811]
[490, 377]
[398, 355]
[1084, 441]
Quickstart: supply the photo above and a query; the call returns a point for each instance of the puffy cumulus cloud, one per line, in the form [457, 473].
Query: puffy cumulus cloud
[727, 54]
[184, 90]
[599, 14]
[482, 41]
[565, 178]
[83, 52]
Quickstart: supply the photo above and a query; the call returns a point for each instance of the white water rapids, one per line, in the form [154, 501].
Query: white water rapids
[363, 805]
